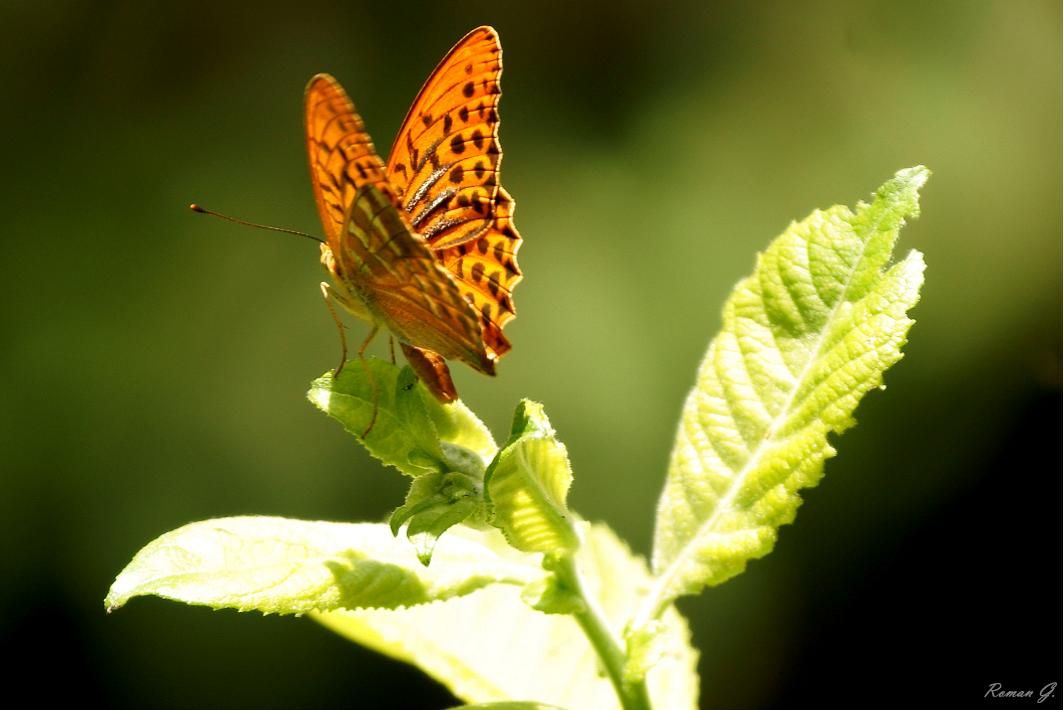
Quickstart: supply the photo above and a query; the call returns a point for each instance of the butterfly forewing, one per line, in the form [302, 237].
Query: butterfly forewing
[341, 154]
[487, 272]
[445, 167]
[444, 162]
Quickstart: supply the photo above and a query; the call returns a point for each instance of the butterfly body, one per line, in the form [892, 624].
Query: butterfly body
[424, 245]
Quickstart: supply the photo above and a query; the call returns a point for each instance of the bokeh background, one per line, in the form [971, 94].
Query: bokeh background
[155, 362]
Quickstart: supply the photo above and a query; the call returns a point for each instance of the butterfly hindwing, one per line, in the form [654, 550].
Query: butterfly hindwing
[399, 279]
[431, 369]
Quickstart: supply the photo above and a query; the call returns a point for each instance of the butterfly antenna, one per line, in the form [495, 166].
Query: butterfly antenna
[203, 210]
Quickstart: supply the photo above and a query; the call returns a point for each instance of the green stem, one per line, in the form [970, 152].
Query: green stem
[633, 696]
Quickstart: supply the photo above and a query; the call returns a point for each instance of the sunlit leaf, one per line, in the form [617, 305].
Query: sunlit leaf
[803, 339]
[527, 485]
[412, 431]
[283, 566]
[490, 646]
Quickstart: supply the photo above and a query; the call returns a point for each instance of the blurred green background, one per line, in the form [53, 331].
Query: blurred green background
[155, 362]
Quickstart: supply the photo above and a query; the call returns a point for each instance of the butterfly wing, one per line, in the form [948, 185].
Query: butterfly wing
[342, 156]
[432, 370]
[444, 165]
[487, 272]
[397, 277]
[440, 187]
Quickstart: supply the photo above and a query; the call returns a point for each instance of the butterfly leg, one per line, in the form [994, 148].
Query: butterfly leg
[370, 377]
[391, 348]
[329, 296]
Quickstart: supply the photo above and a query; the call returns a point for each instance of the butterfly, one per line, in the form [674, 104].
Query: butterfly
[424, 245]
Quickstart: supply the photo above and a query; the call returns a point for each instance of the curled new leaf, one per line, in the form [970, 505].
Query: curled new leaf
[412, 431]
[527, 485]
[433, 504]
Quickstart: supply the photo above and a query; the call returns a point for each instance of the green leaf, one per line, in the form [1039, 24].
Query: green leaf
[282, 566]
[489, 646]
[552, 596]
[412, 431]
[527, 485]
[802, 340]
[435, 503]
[460, 433]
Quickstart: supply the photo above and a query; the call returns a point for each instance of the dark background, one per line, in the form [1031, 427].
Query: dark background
[155, 362]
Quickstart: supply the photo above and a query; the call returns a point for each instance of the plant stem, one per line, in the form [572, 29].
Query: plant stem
[633, 696]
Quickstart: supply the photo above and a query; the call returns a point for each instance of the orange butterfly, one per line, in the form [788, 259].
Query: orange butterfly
[424, 246]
